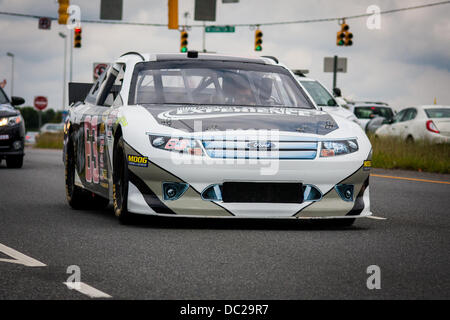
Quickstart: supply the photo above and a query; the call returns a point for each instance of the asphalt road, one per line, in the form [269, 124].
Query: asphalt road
[217, 259]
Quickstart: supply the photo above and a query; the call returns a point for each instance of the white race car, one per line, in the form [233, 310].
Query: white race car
[204, 135]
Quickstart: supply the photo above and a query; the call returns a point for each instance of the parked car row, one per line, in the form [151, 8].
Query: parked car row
[430, 123]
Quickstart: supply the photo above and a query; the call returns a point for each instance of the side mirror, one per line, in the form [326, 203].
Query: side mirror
[337, 92]
[17, 101]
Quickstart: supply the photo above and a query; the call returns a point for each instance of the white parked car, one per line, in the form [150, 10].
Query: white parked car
[430, 123]
[52, 127]
[30, 137]
[324, 99]
[366, 111]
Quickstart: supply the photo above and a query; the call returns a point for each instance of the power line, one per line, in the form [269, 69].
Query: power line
[346, 18]
[240, 24]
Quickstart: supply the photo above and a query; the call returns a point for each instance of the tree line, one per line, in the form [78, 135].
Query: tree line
[31, 117]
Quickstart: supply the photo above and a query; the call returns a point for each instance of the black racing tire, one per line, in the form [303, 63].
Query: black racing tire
[14, 162]
[77, 197]
[120, 184]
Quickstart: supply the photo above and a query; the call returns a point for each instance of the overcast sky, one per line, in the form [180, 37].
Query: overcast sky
[406, 62]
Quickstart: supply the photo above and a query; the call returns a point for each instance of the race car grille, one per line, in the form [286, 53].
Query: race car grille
[257, 149]
[262, 192]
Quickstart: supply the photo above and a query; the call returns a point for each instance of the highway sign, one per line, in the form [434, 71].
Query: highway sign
[40, 102]
[219, 29]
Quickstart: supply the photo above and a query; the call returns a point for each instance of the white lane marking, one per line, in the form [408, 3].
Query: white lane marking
[19, 258]
[376, 218]
[86, 290]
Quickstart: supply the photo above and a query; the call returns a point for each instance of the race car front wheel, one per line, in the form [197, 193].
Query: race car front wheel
[120, 184]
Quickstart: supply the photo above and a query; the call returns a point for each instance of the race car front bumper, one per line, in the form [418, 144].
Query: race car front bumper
[324, 183]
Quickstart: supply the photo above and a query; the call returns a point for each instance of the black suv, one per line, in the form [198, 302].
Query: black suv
[12, 131]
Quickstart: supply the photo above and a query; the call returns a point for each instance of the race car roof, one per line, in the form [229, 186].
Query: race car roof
[212, 57]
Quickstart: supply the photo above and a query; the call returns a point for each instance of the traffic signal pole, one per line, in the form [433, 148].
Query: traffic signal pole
[71, 56]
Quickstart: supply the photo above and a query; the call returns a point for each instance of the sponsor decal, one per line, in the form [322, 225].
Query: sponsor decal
[4, 137]
[367, 165]
[186, 113]
[137, 161]
[122, 120]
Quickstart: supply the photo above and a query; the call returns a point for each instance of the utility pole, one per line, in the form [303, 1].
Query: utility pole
[64, 36]
[71, 56]
[9, 54]
[204, 37]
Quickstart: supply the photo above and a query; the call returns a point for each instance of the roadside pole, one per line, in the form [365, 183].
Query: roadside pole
[71, 56]
[334, 65]
[204, 37]
[335, 71]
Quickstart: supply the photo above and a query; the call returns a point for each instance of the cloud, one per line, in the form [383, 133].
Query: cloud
[405, 63]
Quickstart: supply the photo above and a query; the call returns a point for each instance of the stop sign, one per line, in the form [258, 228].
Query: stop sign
[40, 102]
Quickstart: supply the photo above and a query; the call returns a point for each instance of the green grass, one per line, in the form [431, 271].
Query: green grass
[392, 153]
[50, 140]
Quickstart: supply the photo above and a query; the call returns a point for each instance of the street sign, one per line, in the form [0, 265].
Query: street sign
[219, 29]
[205, 10]
[99, 67]
[328, 65]
[45, 23]
[40, 102]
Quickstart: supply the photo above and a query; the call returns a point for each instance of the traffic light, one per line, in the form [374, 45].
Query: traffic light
[258, 40]
[62, 11]
[348, 39]
[340, 38]
[184, 41]
[77, 38]
[344, 36]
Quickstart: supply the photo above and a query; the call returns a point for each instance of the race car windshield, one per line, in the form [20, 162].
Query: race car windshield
[217, 84]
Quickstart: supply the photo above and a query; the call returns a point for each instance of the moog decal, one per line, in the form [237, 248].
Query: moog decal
[137, 161]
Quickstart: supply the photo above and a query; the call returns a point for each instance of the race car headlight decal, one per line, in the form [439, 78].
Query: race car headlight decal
[181, 145]
[337, 148]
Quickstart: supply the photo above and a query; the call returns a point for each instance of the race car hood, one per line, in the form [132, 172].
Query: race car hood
[221, 118]
[7, 111]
